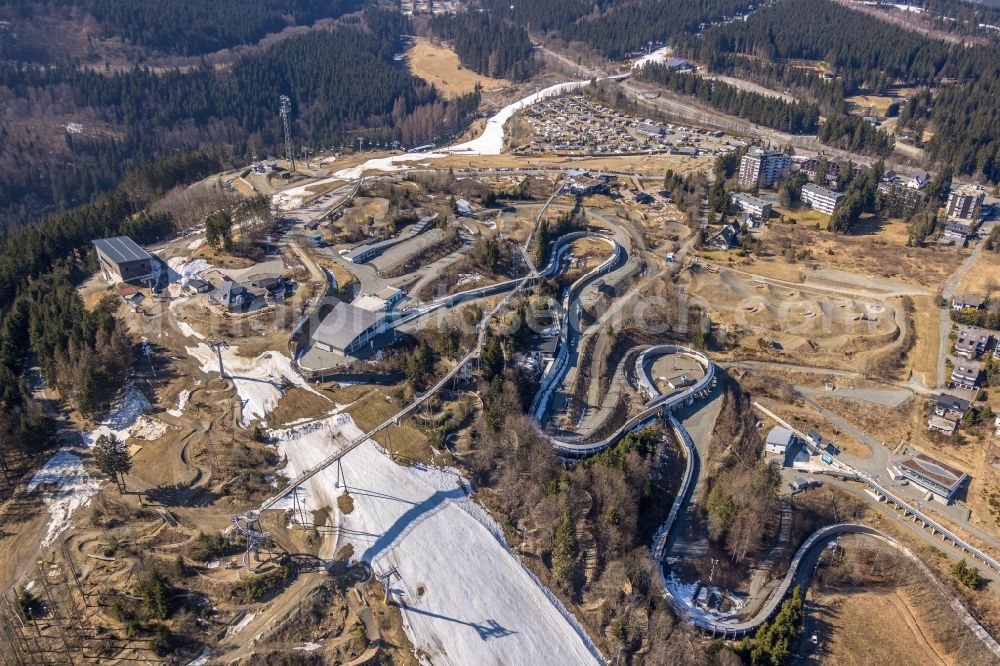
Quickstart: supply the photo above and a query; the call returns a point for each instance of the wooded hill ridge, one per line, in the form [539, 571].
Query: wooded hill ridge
[344, 83]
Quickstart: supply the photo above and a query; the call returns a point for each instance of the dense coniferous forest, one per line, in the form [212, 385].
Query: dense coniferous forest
[86, 355]
[870, 55]
[182, 27]
[487, 45]
[860, 50]
[857, 135]
[616, 29]
[962, 18]
[792, 117]
[343, 83]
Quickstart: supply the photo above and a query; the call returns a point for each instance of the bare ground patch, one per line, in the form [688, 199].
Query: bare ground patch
[439, 65]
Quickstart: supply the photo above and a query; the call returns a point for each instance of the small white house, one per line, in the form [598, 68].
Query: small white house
[778, 440]
[919, 180]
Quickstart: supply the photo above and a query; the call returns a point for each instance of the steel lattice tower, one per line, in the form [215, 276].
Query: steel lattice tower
[286, 108]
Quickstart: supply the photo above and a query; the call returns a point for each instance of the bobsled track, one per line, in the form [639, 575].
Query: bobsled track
[657, 405]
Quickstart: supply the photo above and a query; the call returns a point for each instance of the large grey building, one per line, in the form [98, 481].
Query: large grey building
[122, 260]
[942, 480]
[347, 329]
[820, 198]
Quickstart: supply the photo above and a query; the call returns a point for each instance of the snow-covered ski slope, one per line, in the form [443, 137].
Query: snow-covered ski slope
[465, 597]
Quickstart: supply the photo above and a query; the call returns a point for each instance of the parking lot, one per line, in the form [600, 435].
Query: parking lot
[579, 125]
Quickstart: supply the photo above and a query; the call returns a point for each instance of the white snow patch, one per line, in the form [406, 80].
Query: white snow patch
[196, 243]
[308, 647]
[478, 604]
[147, 428]
[684, 593]
[123, 416]
[187, 331]
[659, 56]
[74, 487]
[259, 381]
[241, 625]
[182, 399]
[183, 270]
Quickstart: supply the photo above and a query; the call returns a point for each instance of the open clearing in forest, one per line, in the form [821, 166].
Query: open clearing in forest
[871, 105]
[805, 215]
[440, 66]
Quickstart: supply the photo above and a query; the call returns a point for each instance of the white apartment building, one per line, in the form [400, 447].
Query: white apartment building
[820, 198]
[753, 205]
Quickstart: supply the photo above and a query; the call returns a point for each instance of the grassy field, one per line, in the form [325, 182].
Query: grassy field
[439, 65]
[984, 276]
[867, 254]
[923, 358]
[893, 231]
[871, 628]
[404, 440]
[805, 216]
[873, 105]
[720, 255]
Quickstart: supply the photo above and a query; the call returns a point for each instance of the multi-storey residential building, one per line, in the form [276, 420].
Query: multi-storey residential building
[965, 376]
[820, 198]
[964, 203]
[763, 168]
[753, 205]
[971, 342]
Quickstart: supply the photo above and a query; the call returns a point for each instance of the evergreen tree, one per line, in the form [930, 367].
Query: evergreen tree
[564, 547]
[153, 591]
[940, 185]
[112, 458]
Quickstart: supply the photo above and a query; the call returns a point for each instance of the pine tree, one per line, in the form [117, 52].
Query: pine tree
[112, 458]
[153, 591]
[564, 549]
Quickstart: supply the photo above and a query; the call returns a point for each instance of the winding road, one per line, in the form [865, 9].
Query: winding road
[657, 405]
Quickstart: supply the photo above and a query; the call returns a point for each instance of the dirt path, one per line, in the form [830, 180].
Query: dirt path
[902, 608]
[862, 627]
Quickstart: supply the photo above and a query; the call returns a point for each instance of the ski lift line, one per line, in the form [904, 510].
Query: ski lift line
[420, 399]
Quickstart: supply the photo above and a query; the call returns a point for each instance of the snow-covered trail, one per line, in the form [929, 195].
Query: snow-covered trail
[490, 142]
[465, 597]
[659, 55]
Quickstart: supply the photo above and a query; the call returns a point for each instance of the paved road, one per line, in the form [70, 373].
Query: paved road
[886, 397]
[947, 292]
[876, 468]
